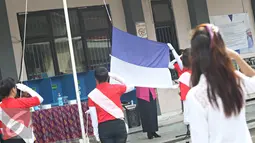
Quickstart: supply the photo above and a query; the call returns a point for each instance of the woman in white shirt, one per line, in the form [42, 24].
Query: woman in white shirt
[217, 98]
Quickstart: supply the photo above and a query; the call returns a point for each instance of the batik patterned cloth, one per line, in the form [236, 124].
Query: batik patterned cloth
[59, 123]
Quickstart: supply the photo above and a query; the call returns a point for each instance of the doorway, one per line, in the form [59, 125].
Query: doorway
[164, 21]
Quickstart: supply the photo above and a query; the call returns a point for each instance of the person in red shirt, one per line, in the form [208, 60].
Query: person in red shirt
[181, 66]
[12, 107]
[176, 64]
[105, 108]
[184, 72]
[184, 80]
[184, 83]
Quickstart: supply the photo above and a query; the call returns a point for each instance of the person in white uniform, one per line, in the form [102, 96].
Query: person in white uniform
[217, 96]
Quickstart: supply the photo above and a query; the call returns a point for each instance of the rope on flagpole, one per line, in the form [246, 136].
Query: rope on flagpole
[21, 78]
[107, 10]
[74, 70]
[21, 72]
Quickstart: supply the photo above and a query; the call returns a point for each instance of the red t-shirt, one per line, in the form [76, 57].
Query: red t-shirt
[113, 92]
[19, 103]
[184, 88]
[178, 69]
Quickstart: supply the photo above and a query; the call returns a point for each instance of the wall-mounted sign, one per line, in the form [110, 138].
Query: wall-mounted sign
[54, 86]
[141, 30]
[235, 30]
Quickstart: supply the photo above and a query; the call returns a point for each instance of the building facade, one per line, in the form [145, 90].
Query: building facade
[47, 52]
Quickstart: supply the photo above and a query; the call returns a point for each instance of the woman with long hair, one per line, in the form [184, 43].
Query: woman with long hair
[217, 96]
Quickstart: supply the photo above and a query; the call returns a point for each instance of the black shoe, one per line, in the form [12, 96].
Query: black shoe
[156, 135]
[188, 130]
[150, 135]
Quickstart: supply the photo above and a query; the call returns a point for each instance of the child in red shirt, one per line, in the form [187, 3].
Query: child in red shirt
[105, 107]
[183, 69]
[12, 106]
[184, 81]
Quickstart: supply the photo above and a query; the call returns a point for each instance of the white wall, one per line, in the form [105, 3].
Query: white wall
[224, 7]
[215, 7]
[182, 22]
[16, 6]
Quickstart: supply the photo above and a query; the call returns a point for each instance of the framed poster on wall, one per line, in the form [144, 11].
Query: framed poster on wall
[236, 31]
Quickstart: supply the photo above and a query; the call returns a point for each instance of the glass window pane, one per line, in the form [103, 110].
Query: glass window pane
[161, 12]
[64, 58]
[37, 26]
[95, 19]
[98, 50]
[38, 58]
[59, 24]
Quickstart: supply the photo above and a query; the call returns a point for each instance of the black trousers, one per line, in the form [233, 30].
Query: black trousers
[148, 114]
[16, 139]
[113, 131]
[13, 141]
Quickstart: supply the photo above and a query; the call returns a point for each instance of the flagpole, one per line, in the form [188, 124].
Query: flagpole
[74, 69]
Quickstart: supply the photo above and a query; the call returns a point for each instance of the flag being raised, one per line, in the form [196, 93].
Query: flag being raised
[139, 61]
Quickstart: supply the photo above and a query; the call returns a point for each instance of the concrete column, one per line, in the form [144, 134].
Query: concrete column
[149, 21]
[133, 13]
[198, 12]
[7, 60]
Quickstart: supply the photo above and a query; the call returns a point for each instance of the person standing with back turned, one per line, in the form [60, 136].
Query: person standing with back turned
[105, 107]
[217, 96]
[184, 83]
[147, 106]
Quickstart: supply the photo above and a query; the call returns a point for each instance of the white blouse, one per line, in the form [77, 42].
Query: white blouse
[209, 124]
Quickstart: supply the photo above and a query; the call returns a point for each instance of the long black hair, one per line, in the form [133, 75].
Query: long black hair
[209, 57]
[186, 57]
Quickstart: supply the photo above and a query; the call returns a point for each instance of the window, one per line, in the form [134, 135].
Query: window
[47, 50]
[38, 57]
[64, 58]
[98, 37]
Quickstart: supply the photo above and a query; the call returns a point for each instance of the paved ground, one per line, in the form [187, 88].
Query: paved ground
[170, 125]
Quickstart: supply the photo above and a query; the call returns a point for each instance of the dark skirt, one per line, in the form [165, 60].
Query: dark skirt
[148, 114]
